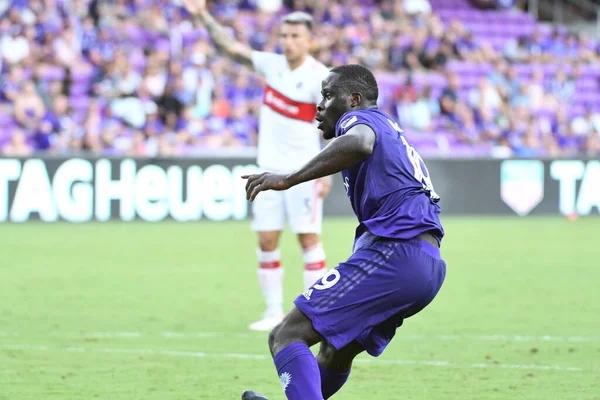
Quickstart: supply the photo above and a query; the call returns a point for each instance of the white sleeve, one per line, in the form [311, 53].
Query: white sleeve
[265, 62]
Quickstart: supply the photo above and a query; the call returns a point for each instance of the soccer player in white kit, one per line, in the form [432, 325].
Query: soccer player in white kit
[287, 139]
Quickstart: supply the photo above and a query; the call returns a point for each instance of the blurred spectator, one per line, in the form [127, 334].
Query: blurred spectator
[585, 125]
[416, 112]
[13, 46]
[29, 107]
[517, 50]
[562, 87]
[535, 90]
[485, 97]
[18, 146]
[417, 7]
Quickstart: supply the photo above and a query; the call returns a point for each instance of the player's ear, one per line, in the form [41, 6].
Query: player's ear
[355, 100]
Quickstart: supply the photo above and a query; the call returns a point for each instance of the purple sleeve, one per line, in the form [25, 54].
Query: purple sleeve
[353, 118]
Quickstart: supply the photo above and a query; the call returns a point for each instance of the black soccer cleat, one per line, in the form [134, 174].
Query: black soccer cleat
[252, 395]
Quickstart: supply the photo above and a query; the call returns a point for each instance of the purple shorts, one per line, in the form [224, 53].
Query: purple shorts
[367, 297]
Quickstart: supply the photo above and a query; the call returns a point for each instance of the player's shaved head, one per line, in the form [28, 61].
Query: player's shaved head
[346, 88]
[354, 78]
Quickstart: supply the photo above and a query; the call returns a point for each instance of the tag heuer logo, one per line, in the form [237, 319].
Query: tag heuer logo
[522, 185]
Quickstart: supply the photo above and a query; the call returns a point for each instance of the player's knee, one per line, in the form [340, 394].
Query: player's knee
[295, 328]
[272, 339]
[308, 240]
[338, 360]
[326, 354]
[268, 241]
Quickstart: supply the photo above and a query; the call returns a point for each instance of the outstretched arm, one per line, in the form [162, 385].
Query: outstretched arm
[224, 41]
[342, 153]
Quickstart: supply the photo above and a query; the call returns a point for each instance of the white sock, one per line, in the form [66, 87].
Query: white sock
[270, 277]
[314, 265]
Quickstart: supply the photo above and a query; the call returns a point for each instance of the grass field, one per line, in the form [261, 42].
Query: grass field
[159, 311]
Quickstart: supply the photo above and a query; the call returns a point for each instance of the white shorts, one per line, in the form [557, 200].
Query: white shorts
[300, 205]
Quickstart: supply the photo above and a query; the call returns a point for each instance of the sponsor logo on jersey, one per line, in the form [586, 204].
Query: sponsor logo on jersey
[288, 107]
[348, 122]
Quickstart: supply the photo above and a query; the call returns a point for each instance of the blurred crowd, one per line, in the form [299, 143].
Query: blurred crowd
[140, 78]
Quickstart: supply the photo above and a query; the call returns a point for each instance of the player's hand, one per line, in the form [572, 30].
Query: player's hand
[324, 186]
[266, 181]
[194, 7]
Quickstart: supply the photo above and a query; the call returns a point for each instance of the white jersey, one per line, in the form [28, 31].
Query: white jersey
[287, 133]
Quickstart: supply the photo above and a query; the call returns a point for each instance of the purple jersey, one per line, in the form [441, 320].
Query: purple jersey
[390, 191]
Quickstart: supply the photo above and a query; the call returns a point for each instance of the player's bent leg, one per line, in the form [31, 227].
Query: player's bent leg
[314, 258]
[295, 327]
[366, 298]
[335, 366]
[338, 360]
[296, 365]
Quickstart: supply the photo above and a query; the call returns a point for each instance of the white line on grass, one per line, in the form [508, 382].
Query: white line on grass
[194, 354]
[203, 335]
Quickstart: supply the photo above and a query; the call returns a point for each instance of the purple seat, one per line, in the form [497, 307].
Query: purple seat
[463, 94]
[52, 73]
[550, 69]
[135, 34]
[79, 116]
[576, 111]
[497, 43]
[6, 119]
[460, 67]
[469, 81]
[79, 88]
[590, 71]
[79, 103]
[587, 84]
[137, 59]
[82, 74]
[387, 79]
[437, 80]
[544, 113]
[162, 45]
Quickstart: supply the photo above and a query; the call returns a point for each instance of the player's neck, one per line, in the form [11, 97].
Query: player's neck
[296, 63]
[367, 106]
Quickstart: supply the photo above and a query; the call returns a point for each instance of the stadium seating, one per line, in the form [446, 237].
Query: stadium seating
[112, 62]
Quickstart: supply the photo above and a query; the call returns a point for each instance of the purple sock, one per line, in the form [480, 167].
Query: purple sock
[331, 381]
[299, 372]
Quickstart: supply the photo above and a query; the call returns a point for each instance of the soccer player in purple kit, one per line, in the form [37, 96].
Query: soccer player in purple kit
[395, 269]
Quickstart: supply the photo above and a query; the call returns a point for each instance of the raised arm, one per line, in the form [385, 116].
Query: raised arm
[342, 153]
[224, 41]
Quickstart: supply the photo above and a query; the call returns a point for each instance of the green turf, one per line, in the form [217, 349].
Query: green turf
[510, 281]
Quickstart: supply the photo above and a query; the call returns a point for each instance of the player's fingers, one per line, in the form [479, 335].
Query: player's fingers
[247, 177]
[256, 190]
[251, 185]
[250, 179]
[260, 185]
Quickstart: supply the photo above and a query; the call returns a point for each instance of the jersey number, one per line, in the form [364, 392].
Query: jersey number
[420, 171]
[328, 280]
